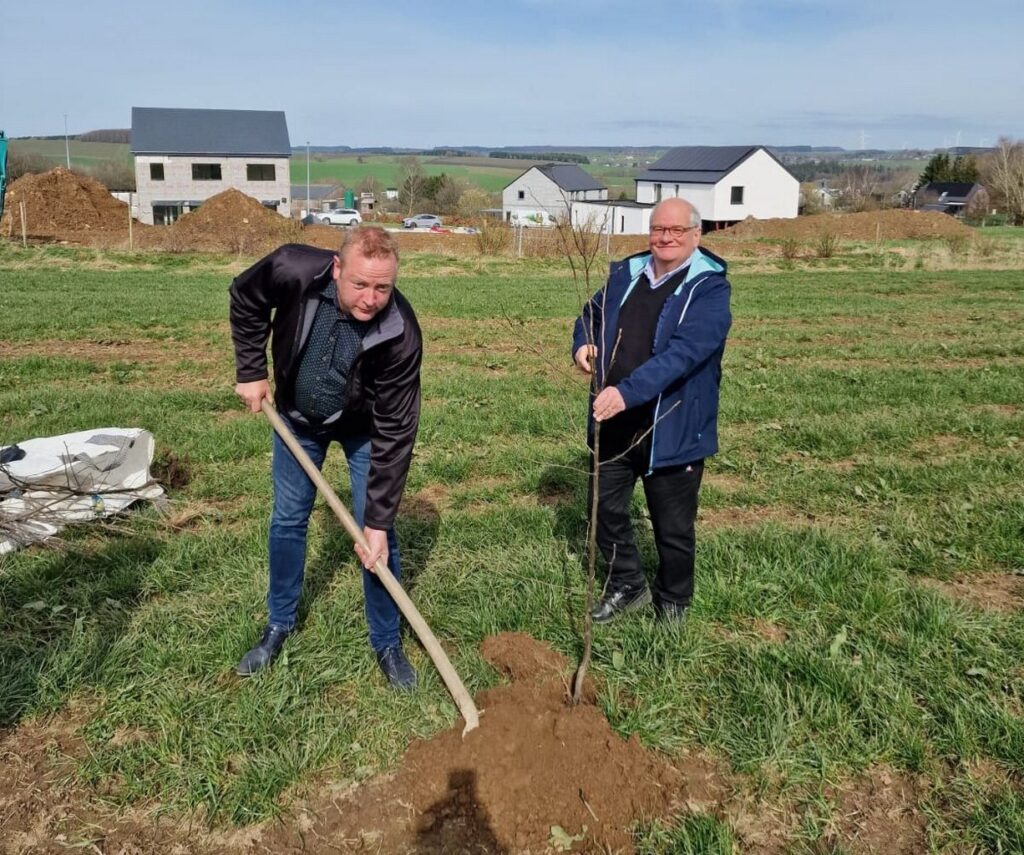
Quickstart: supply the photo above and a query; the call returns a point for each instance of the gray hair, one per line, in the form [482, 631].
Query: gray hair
[695, 219]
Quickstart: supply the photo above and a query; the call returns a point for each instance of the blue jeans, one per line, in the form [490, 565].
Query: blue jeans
[293, 502]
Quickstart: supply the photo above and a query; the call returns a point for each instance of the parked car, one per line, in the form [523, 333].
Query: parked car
[340, 217]
[422, 221]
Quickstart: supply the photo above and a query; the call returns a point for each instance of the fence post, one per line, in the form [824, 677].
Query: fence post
[24, 239]
[130, 245]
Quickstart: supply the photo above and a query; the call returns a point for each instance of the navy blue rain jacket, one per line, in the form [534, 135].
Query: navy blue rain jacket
[683, 374]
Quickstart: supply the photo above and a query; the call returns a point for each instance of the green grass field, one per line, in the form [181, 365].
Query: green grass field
[870, 473]
[83, 155]
[490, 175]
[349, 170]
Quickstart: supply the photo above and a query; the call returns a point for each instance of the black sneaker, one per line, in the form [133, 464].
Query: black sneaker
[401, 675]
[670, 614]
[264, 652]
[616, 603]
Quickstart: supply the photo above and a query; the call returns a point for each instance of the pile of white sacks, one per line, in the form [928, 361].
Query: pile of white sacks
[48, 483]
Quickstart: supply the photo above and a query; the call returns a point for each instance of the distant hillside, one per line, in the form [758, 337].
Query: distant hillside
[113, 135]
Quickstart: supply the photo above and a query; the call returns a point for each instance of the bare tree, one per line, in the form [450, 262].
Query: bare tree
[449, 192]
[411, 183]
[1004, 175]
[371, 184]
[473, 201]
[860, 187]
[580, 243]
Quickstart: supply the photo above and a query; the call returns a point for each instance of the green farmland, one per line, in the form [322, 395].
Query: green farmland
[857, 614]
[83, 155]
[349, 170]
[489, 174]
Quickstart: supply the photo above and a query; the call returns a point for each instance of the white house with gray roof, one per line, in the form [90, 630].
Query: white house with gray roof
[726, 183]
[185, 156]
[548, 191]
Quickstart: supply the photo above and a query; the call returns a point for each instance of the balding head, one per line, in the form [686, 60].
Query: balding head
[679, 210]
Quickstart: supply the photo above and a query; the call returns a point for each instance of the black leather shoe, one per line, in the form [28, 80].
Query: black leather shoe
[616, 603]
[670, 614]
[263, 653]
[401, 675]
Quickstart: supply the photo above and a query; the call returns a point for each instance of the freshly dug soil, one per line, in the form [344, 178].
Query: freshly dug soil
[535, 763]
[228, 222]
[864, 226]
[60, 202]
[536, 773]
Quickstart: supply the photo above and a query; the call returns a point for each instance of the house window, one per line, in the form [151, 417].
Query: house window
[522, 194]
[657, 192]
[164, 215]
[156, 172]
[206, 172]
[259, 172]
[737, 196]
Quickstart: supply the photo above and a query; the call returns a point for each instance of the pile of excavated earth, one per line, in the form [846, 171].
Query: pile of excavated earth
[227, 222]
[894, 224]
[60, 203]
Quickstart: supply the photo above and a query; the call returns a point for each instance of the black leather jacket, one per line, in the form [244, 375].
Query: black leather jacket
[276, 298]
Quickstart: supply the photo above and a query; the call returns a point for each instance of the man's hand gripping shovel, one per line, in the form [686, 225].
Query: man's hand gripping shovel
[458, 691]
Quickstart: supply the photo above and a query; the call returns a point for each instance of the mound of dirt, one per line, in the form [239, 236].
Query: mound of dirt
[229, 222]
[537, 772]
[867, 225]
[59, 202]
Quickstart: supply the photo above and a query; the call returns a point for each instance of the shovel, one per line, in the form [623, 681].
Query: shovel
[458, 691]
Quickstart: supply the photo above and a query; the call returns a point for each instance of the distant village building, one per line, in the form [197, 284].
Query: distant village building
[952, 197]
[725, 183]
[545, 193]
[185, 156]
[322, 197]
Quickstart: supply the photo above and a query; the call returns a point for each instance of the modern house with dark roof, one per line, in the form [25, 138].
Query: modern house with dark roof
[546, 192]
[726, 183]
[185, 156]
[956, 198]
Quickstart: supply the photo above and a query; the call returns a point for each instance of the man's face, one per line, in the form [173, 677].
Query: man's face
[672, 238]
[364, 284]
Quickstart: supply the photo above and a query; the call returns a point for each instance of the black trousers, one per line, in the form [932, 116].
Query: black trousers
[672, 501]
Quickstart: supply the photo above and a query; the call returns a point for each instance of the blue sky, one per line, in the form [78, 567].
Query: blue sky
[516, 72]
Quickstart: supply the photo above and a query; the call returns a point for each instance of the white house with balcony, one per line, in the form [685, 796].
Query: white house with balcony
[546, 192]
[185, 156]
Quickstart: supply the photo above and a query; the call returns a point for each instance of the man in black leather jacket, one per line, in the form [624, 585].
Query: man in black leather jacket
[347, 351]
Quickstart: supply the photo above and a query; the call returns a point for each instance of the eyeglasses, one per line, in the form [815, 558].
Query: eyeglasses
[674, 232]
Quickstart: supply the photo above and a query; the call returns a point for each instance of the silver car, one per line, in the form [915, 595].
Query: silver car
[422, 221]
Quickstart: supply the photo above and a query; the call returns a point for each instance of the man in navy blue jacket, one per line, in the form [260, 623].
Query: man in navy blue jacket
[653, 339]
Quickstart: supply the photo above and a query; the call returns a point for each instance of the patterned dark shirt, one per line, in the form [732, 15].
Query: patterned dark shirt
[333, 344]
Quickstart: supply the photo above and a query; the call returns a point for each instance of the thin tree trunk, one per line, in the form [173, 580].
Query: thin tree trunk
[588, 621]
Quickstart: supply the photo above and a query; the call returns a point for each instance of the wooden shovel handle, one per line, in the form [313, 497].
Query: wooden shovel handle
[430, 643]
